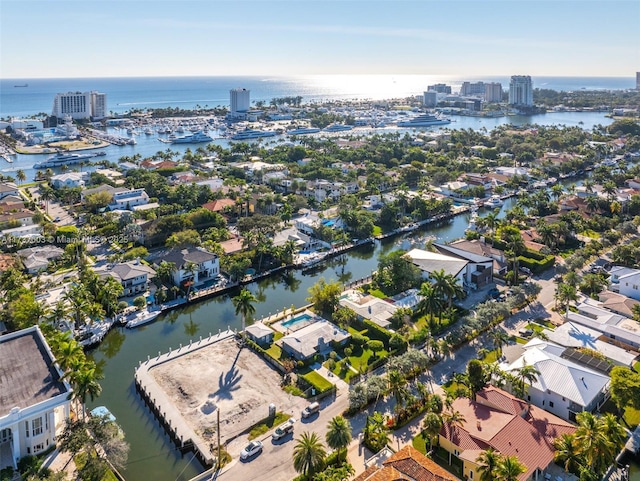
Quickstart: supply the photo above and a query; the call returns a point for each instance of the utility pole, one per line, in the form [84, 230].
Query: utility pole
[219, 448]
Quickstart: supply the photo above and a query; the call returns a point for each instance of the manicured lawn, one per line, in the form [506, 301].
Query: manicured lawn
[636, 366]
[318, 381]
[265, 425]
[342, 371]
[521, 340]
[275, 351]
[535, 327]
[378, 293]
[492, 356]
[364, 358]
[377, 230]
[420, 443]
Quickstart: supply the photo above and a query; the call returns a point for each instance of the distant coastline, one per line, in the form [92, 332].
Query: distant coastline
[190, 92]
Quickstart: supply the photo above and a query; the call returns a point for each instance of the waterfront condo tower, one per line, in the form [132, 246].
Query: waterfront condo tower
[493, 92]
[80, 105]
[637, 80]
[240, 101]
[521, 91]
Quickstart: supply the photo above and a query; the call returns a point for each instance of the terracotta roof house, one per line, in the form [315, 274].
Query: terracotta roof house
[219, 205]
[498, 420]
[407, 464]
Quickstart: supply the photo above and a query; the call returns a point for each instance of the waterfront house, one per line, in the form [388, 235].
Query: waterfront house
[454, 189]
[127, 199]
[69, 179]
[101, 188]
[511, 426]
[481, 248]
[7, 189]
[134, 276]
[563, 386]
[479, 270]
[318, 337]
[260, 334]
[207, 264]
[376, 310]
[36, 259]
[35, 400]
[406, 464]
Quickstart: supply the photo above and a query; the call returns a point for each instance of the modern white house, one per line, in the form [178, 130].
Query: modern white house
[614, 326]
[23, 232]
[563, 387]
[626, 281]
[134, 276]
[207, 265]
[34, 398]
[128, 199]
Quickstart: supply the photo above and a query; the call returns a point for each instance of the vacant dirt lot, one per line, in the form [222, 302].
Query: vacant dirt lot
[222, 376]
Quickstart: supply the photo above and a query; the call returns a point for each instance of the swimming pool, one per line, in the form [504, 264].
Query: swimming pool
[296, 320]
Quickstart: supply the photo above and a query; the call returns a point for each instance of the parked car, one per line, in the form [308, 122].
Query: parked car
[284, 429]
[310, 410]
[57, 219]
[251, 449]
[494, 292]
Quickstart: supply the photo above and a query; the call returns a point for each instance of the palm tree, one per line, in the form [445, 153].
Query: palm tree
[398, 387]
[527, 373]
[509, 469]
[190, 268]
[244, 304]
[85, 384]
[567, 453]
[308, 454]
[165, 271]
[499, 338]
[339, 434]
[46, 194]
[592, 442]
[430, 301]
[432, 424]
[488, 463]
[454, 419]
[21, 175]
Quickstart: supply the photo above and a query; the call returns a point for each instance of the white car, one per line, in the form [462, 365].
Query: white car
[284, 429]
[254, 447]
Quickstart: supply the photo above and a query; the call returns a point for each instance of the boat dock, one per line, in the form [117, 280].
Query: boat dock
[164, 409]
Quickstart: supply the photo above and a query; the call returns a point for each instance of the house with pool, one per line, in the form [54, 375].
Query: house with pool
[308, 334]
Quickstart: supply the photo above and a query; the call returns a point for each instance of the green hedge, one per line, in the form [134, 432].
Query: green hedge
[537, 266]
[376, 332]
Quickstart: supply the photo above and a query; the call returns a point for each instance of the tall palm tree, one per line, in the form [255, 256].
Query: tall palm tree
[454, 419]
[432, 424]
[398, 387]
[165, 271]
[308, 454]
[190, 268]
[21, 175]
[592, 440]
[527, 373]
[499, 338]
[567, 453]
[509, 469]
[488, 463]
[430, 301]
[244, 304]
[85, 384]
[339, 434]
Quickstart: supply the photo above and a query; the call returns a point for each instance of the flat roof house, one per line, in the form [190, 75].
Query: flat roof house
[34, 399]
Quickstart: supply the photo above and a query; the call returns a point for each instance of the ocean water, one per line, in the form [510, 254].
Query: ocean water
[124, 94]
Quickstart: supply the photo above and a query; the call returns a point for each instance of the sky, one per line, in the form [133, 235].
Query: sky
[139, 38]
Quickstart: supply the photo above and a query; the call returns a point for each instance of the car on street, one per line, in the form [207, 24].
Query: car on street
[284, 429]
[251, 449]
[57, 219]
[310, 410]
[494, 292]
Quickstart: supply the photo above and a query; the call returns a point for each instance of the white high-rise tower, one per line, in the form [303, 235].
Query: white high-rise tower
[240, 101]
[521, 91]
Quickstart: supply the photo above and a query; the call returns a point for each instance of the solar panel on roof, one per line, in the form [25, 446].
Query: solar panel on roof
[585, 359]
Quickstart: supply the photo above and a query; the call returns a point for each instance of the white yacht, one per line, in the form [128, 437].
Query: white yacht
[338, 128]
[196, 138]
[424, 120]
[60, 159]
[494, 201]
[248, 134]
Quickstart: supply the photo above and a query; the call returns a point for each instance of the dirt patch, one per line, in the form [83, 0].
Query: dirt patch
[221, 377]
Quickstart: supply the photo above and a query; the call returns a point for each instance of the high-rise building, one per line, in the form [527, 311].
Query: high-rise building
[80, 105]
[240, 101]
[430, 98]
[493, 92]
[521, 91]
[637, 80]
[440, 88]
[470, 89]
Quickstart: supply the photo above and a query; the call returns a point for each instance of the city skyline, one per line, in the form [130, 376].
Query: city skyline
[197, 38]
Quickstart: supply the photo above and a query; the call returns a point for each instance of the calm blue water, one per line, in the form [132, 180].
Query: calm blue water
[124, 94]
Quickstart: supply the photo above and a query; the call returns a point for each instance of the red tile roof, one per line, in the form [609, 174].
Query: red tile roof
[219, 205]
[407, 464]
[499, 420]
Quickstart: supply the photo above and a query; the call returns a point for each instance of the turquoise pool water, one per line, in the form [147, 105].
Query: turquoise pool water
[296, 320]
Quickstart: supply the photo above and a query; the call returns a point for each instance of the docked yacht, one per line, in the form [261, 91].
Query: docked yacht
[494, 201]
[196, 138]
[303, 131]
[143, 317]
[424, 120]
[248, 134]
[61, 158]
[338, 128]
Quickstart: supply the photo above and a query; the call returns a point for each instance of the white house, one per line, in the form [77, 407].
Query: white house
[453, 189]
[69, 179]
[479, 271]
[207, 265]
[317, 337]
[626, 281]
[7, 189]
[24, 232]
[37, 259]
[129, 198]
[34, 398]
[563, 387]
[613, 326]
[134, 276]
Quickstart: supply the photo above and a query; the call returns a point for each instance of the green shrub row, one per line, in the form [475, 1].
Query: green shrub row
[376, 332]
[537, 266]
[316, 381]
